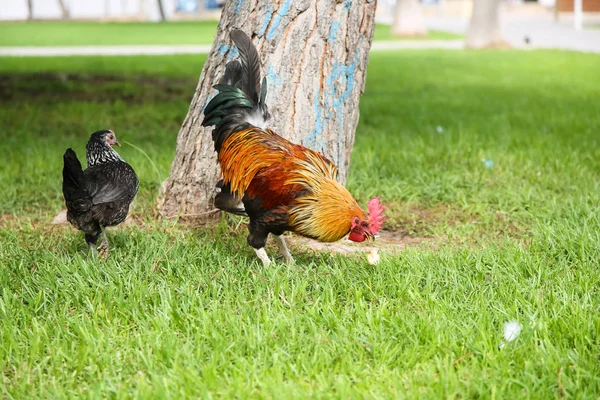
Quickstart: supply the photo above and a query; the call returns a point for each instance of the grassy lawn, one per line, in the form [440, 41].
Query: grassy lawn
[50, 33]
[490, 158]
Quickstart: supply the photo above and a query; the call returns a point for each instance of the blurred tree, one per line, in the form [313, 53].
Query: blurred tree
[408, 19]
[30, 9]
[314, 54]
[64, 9]
[142, 15]
[484, 28]
[161, 10]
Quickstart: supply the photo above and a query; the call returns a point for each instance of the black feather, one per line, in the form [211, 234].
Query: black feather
[233, 74]
[263, 93]
[74, 188]
[250, 64]
[99, 196]
[241, 97]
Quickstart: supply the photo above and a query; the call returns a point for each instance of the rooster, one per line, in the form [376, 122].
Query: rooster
[99, 196]
[279, 185]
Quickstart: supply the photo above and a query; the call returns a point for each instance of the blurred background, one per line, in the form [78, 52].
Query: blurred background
[149, 10]
[566, 24]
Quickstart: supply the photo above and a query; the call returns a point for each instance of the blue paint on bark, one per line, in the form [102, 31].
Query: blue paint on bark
[337, 90]
[238, 6]
[273, 77]
[223, 49]
[233, 53]
[266, 19]
[277, 16]
[333, 31]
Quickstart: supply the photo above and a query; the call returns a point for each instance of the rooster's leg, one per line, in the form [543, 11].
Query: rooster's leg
[283, 249]
[257, 238]
[262, 254]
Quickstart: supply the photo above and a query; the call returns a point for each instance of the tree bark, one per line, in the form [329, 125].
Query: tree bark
[64, 9]
[484, 28]
[314, 54]
[161, 10]
[408, 19]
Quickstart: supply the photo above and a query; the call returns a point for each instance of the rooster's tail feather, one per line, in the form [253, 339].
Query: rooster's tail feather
[240, 103]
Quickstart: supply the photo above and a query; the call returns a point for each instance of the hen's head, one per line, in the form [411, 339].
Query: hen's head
[99, 148]
[106, 136]
[362, 229]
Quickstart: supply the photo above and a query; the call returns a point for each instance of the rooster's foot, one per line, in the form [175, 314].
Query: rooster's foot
[262, 254]
[283, 249]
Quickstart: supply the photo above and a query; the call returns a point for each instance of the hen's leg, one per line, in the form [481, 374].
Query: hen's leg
[93, 249]
[92, 240]
[283, 249]
[103, 250]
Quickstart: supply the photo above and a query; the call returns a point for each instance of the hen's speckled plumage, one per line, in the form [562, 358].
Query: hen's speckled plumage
[99, 196]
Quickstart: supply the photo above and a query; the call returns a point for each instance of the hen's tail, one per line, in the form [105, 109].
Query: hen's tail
[76, 196]
[240, 102]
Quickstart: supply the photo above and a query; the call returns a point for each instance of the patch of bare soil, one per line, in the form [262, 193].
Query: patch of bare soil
[417, 220]
[8, 220]
[389, 242]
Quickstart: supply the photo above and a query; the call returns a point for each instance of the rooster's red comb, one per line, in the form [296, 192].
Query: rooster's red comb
[376, 216]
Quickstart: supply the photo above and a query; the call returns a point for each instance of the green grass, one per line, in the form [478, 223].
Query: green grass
[51, 33]
[183, 312]
[54, 33]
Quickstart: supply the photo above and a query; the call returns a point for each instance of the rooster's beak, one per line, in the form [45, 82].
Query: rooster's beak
[117, 143]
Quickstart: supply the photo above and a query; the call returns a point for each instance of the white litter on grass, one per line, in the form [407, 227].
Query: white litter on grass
[439, 129]
[512, 330]
[61, 218]
[487, 162]
[373, 257]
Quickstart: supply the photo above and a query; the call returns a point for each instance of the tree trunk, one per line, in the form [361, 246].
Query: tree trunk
[408, 19]
[314, 54]
[64, 9]
[484, 28]
[141, 11]
[30, 9]
[161, 10]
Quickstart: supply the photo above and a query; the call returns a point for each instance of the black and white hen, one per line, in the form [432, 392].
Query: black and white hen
[99, 196]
